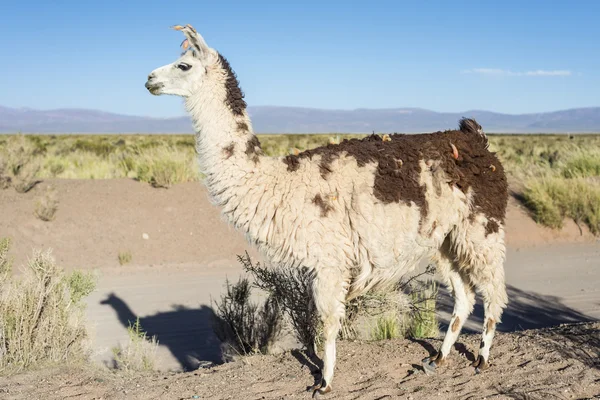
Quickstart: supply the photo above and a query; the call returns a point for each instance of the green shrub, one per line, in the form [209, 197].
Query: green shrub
[386, 327]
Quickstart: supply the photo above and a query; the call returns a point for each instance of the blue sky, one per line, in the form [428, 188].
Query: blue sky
[508, 56]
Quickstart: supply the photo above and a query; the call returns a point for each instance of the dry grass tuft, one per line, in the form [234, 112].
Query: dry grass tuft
[124, 257]
[386, 327]
[41, 314]
[139, 354]
[5, 260]
[47, 205]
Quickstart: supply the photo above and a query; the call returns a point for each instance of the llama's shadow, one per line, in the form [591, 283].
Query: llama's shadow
[186, 332]
[526, 310]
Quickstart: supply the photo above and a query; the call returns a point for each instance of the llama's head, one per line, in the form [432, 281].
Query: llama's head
[188, 73]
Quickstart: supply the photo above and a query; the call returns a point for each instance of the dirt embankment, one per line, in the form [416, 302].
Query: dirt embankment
[555, 363]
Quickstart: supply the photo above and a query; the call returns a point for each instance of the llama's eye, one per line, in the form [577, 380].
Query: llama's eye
[184, 66]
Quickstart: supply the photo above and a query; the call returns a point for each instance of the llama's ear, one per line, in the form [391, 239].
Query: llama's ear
[193, 40]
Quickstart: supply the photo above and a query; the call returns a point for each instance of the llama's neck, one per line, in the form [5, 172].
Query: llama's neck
[230, 157]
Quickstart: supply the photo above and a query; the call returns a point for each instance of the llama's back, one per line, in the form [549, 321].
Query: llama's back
[398, 197]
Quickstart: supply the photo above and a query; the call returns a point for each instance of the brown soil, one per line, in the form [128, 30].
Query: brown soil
[97, 219]
[555, 363]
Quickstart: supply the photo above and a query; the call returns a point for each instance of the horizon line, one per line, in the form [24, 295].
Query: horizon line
[307, 108]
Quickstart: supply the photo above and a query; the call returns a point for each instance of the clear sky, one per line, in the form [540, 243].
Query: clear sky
[506, 56]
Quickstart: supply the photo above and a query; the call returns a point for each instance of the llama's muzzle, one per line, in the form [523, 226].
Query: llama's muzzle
[153, 88]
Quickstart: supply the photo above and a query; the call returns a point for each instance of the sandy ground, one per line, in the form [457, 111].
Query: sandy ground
[553, 277]
[556, 363]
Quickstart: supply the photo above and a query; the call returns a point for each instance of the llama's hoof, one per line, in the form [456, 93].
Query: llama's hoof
[480, 365]
[430, 363]
[428, 366]
[319, 389]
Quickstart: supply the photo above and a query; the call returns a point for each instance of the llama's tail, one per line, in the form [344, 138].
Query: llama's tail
[470, 127]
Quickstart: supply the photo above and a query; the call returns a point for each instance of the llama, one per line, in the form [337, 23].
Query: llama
[361, 213]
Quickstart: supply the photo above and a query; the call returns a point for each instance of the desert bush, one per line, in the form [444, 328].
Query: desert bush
[553, 199]
[140, 352]
[19, 164]
[41, 315]
[47, 205]
[290, 289]
[124, 257]
[242, 326]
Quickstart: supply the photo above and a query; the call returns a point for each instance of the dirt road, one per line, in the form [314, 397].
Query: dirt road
[547, 286]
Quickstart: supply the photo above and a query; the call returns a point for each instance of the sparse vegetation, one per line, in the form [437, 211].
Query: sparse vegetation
[47, 205]
[139, 354]
[245, 328]
[242, 326]
[19, 164]
[41, 313]
[124, 257]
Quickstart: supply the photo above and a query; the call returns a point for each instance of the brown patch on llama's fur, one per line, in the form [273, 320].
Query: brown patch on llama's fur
[490, 325]
[397, 181]
[228, 151]
[253, 149]
[491, 227]
[455, 324]
[235, 97]
[322, 204]
[242, 127]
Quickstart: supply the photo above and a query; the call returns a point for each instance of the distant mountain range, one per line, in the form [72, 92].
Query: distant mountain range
[270, 119]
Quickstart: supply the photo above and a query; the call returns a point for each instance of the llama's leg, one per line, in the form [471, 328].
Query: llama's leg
[495, 300]
[482, 258]
[464, 299]
[329, 294]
